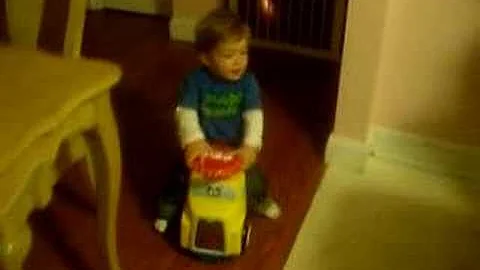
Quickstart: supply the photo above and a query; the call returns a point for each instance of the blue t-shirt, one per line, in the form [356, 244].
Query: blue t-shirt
[220, 104]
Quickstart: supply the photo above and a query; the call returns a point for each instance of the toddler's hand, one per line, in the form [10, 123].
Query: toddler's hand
[248, 155]
[195, 149]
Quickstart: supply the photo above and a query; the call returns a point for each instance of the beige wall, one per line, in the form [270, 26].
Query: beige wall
[419, 74]
[364, 32]
[193, 8]
[429, 74]
[186, 14]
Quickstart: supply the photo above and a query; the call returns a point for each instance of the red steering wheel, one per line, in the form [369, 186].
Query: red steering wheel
[219, 165]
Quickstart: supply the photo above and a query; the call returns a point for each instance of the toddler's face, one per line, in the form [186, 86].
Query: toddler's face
[229, 59]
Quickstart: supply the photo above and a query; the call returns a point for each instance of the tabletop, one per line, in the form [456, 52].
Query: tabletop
[38, 90]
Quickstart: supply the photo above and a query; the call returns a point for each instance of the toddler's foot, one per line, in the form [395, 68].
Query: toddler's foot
[269, 208]
[161, 225]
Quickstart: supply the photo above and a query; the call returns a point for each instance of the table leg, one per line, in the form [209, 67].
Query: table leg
[107, 166]
[15, 241]
[15, 232]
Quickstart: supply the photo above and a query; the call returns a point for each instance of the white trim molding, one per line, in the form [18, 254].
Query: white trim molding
[348, 154]
[426, 154]
[183, 28]
[96, 4]
[151, 7]
[430, 155]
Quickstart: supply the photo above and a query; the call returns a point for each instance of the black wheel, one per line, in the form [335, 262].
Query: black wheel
[247, 231]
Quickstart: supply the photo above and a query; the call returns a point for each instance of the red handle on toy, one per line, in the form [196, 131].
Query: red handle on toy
[218, 165]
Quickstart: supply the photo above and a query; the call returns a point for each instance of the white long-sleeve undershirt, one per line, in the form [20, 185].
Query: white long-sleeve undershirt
[189, 129]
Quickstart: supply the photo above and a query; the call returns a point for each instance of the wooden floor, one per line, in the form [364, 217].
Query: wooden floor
[299, 99]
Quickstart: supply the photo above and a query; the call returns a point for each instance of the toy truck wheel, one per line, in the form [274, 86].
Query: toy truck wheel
[247, 231]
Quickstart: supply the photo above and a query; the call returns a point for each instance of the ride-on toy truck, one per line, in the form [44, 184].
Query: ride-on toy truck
[214, 217]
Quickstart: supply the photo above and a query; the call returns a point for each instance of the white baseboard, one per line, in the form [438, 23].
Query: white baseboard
[404, 149]
[151, 7]
[183, 28]
[95, 4]
[348, 154]
[426, 154]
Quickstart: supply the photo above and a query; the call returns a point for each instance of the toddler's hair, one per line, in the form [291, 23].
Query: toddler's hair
[218, 26]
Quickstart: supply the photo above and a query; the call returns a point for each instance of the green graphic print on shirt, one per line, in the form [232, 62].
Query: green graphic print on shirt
[222, 104]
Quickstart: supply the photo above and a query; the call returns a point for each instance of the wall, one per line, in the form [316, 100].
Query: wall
[363, 40]
[409, 86]
[429, 74]
[153, 7]
[161, 7]
[193, 8]
[186, 13]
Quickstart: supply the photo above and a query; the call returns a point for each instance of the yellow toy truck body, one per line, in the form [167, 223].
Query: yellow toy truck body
[213, 221]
